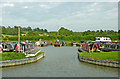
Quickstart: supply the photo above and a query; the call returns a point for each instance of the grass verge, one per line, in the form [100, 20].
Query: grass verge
[114, 55]
[13, 55]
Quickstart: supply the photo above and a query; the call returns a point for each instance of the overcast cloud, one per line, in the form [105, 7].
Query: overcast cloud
[76, 16]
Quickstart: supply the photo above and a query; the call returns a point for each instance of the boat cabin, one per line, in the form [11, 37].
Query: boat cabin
[24, 47]
[6, 47]
[111, 47]
[103, 39]
[91, 47]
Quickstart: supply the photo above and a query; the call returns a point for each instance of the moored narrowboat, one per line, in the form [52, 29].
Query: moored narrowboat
[73, 43]
[57, 43]
[63, 43]
[94, 47]
[112, 46]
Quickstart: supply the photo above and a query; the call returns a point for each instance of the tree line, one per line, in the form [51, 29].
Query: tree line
[24, 30]
[62, 34]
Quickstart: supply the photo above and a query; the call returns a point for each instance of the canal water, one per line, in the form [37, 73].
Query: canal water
[59, 62]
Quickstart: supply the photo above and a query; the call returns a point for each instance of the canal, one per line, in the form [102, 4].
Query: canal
[59, 62]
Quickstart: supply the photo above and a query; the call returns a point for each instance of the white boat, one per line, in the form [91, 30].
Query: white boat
[103, 39]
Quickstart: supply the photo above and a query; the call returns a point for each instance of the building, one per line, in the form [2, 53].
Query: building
[23, 34]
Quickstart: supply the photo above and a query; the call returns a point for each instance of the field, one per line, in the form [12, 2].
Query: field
[114, 55]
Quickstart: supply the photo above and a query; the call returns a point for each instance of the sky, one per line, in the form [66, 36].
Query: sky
[75, 16]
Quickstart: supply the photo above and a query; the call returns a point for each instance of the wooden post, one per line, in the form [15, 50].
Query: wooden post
[19, 38]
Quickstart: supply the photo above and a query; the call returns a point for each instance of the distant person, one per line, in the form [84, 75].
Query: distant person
[0, 50]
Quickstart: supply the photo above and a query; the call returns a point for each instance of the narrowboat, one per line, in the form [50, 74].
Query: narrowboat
[94, 47]
[6, 47]
[113, 46]
[63, 43]
[103, 39]
[50, 42]
[24, 47]
[40, 43]
[80, 50]
[82, 41]
[57, 43]
[73, 43]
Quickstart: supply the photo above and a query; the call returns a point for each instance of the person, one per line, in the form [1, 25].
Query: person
[0, 50]
[50, 42]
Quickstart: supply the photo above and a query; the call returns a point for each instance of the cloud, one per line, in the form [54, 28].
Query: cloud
[0, 19]
[67, 14]
[45, 6]
[78, 14]
[94, 4]
[8, 5]
[25, 7]
[94, 7]
[49, 5]
[112, 14]
[60, 0]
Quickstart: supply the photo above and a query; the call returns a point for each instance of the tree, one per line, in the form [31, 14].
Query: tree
[63, 31]
[29, 28]
[45, 30]
[101, 31]
[36, 29]
[97, 31]
[119, 31]
[105, 31]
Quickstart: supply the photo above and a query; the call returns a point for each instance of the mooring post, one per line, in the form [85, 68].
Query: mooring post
[19, 38]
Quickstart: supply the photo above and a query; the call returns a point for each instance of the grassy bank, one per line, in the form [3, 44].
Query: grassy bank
[114, 55]
[13, 55]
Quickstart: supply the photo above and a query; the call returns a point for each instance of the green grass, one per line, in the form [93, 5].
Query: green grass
[14, 55]
[11, 56]
[9, 35]
[114, 55]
